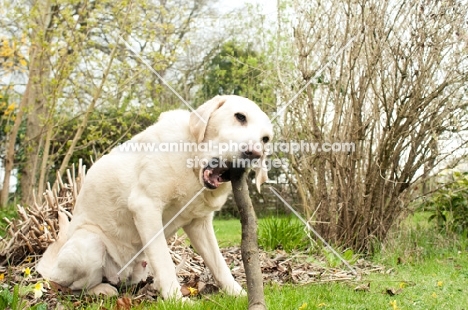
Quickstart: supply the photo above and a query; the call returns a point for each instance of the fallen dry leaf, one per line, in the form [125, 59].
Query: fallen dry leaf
[124, 303]
[188, 291]
[58, 288]
[392, 291]
[363, 287]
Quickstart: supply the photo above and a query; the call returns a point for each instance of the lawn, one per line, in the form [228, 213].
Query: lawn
[424, 270]
[228, 232]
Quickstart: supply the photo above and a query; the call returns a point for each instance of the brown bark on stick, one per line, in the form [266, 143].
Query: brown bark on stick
[249, 243]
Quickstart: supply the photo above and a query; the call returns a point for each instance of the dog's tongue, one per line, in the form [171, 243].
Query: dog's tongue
[212, 177]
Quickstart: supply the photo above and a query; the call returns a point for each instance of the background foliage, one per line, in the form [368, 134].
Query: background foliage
[238, 70]
[79, 77]
[449, 204]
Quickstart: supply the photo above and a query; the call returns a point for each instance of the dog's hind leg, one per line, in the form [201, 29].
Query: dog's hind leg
[80, 262]
[49, 258]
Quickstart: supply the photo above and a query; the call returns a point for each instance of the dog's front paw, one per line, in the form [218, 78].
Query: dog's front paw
[170, 291]
[235, 289]
[103, 289]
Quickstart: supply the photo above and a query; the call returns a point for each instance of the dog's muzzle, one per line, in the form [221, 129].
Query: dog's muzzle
[216, 172]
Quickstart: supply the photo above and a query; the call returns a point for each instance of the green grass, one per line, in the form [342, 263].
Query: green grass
[228, 232]
[434, 284]
[426, 269]
[417, 240]
[285, 233]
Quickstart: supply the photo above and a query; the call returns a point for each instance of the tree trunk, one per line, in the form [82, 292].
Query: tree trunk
[9, 161]
[249, 243]
[36, 103]
[36, 107]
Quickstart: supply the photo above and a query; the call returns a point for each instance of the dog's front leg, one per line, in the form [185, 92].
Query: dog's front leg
[202, 236]
[148, 220]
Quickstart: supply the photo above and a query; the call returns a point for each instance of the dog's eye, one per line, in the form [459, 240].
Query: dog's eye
[240, 117]
[265, 139]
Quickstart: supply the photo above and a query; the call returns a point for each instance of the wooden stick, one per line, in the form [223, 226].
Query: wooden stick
[249, 243]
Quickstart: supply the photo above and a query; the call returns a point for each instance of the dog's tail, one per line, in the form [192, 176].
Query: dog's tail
[49, 257]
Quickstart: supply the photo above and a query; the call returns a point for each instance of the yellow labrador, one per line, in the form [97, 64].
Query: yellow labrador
[136, 190]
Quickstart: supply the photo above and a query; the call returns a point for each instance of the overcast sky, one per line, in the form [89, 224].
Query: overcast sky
[236, 4]
[269, 6]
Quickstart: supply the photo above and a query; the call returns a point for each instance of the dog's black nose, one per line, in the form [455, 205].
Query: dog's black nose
[253, 154]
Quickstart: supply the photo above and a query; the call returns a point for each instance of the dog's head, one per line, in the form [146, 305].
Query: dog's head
[234, 132]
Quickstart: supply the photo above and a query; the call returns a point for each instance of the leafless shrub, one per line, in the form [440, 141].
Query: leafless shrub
[389, 77]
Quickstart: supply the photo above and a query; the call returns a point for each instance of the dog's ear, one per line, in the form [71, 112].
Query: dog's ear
[199, 118]
[261, 172]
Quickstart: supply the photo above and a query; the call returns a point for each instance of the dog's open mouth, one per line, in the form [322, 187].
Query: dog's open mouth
[216, 173]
